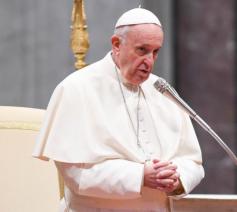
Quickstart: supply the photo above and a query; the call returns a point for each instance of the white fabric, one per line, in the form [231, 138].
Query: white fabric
[150, 202]
[137, 16]
[87, 122]
[89, 179]
[113, 184]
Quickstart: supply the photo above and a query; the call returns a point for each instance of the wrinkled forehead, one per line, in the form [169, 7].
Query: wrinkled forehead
[145, 30]
[145, 33]
[144, 27]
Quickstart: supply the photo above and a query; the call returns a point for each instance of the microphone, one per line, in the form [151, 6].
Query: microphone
[167, 90]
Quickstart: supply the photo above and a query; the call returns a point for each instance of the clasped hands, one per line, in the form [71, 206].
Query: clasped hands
[161, 175]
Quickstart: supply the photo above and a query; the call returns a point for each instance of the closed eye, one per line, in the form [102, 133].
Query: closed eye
[141, 50]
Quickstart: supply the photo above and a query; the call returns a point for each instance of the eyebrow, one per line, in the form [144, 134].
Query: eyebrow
[147, 45]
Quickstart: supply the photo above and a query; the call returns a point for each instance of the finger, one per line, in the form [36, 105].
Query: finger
[155, 160]
[173, 186]
[175, 176]
[165, 174]
[151, 178]
[176, 184]
[169, 166]
[168, 169]
[164, 165]
[165, 182]
[169, 187]
[161, 164]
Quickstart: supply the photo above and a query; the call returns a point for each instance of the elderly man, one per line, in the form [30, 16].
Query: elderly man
[118, 143]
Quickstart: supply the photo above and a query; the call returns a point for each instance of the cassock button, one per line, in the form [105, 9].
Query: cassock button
[151, 152]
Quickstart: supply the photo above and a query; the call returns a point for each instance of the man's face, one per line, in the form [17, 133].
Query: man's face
[136, 54]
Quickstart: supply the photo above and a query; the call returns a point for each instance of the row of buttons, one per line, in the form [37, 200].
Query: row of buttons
[143, 136]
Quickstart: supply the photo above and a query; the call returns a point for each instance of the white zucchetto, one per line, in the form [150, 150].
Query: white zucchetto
[137, 16]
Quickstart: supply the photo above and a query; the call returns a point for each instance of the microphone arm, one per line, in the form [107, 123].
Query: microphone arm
[162, 86]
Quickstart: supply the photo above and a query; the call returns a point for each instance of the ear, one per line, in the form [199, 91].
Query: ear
[115, 41]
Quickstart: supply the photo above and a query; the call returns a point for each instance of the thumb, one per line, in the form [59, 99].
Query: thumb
[155, 160]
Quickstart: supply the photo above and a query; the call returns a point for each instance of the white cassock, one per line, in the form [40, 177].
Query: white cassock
[90, 130]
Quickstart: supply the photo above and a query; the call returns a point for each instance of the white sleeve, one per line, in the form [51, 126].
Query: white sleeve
[112, 179]
[189, 158]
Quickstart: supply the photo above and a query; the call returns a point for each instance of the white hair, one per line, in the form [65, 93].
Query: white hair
[121, 32]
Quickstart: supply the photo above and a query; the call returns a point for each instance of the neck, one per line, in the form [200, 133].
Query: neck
[130, 86]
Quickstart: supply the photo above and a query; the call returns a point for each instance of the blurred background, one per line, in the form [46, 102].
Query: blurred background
[198, 59]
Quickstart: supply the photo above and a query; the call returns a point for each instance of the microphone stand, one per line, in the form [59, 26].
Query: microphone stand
[162, 86]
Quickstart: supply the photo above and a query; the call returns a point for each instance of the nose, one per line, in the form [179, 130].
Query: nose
[149, 59]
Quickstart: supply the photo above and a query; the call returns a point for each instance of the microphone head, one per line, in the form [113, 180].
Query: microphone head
[161, 85]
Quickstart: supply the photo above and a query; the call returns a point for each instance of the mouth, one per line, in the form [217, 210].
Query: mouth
[143, 71]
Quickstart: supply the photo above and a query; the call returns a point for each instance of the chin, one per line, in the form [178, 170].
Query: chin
[137, 80]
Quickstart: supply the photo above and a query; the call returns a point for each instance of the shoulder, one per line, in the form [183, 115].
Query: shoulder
[90, 78]
[83, 75]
